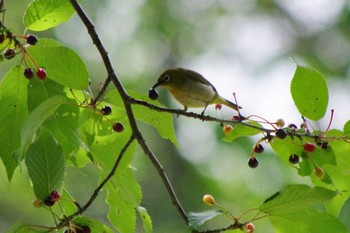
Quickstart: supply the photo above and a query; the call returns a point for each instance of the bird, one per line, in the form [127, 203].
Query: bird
[191, 89]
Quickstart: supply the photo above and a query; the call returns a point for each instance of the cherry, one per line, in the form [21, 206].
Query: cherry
[292, 126]
[218, 107]
[106, 110]
[54, 196]
[236, 118]
[227, 129]
[294, 159]
[208, 200]
[118, 127]
[258, 148]
[153, 94]
[281, 134]
[31, 39]
[10, 53]
[41, 73]
[28, 73]
[250, 227]
[309, 147]
[48, 202]
[253, 162]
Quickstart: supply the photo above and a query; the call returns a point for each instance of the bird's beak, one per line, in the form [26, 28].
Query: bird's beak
[156, 85]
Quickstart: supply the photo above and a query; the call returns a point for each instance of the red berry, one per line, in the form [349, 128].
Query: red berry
[31, 39]
[28, 73]
[118, 127]
[9, 53]
[281, 134]
[41, 73]
[253, 162]
[218, 106]
[235, 118]
[250, 227]
[309, 147]
[153, 94]
[258, 148]
[54, 196]
[106, 110]
[294, 159]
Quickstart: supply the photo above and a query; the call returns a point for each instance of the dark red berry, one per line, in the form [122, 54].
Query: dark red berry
[106, 110]
[323, 145]
[2, 38]
[281, 134]
[292, 126]
[294, 159]
[235, 118]
[118, 127]
[253, 162]
[83, 229]
[258, 148]
[309, 147]
[41, 73]
[48, 202]
[9, 53]
[153, 94]
[32, 40]
[55, 196]
[28, 73]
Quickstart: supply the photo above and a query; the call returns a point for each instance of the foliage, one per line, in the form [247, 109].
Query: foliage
[55, 122]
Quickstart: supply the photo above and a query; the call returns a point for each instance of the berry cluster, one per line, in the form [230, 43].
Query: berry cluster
[52, 198]
[12, 47]
[117, 126]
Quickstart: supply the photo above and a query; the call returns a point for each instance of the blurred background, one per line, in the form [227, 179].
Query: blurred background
[243, 46]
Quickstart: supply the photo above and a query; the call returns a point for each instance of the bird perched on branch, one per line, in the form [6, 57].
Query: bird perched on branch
[191, 89]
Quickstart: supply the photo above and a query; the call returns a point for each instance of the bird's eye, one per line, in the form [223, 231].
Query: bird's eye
[166, 78]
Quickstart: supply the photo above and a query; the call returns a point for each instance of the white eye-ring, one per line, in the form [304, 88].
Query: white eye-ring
[166, 78]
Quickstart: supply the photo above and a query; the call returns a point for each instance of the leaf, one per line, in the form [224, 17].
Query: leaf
[145, 218]
[21, 227]
[241, 130]
[295, 198]
[43, 14]
[61, 63]
[346, 128]
[310, 93]
[162, 122]
[344, 214]
[45, 164]
[93, 224]
[306, 222]
[14, 111]
[36, 118]
[195, 220]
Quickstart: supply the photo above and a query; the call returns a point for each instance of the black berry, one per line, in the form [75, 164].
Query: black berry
[48, 202]
[281, 134]
[153, 94]
[32, 40]
[28, 73]
[292, 126]
[324, 145]
[106, 110]
[258, 148]
[253, 162]
[9, 53]
[118, 127]
[294, 159]
[41, 73]
[2, 38]
[83, 229]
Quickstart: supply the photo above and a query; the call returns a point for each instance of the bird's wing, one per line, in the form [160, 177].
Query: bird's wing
[200, 78]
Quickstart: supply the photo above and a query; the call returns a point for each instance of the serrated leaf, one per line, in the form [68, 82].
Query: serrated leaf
[145, 218]
[14, 111]
[61, 63]
[295, 198]
[306, 222]
[93, 224]
[162, 122]
[310, 93]
[240, 130]
[197, 219]
[45, 164]
[43, 14]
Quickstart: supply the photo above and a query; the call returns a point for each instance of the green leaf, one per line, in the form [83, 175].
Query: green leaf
[162, 122]
[241, 130]
[35, 120]
[14, 111]
[295, 198]
[307, 222]
[45, 163]
[344, 214]
[21, 227]
[43, 14]
[346, 128]
[195, 220]
[310, 93]
[145, 218]
[61, 63]
[93, 224]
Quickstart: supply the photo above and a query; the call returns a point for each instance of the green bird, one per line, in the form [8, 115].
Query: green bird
[191, 89]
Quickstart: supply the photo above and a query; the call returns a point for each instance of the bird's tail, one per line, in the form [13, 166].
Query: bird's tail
[228, 103]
